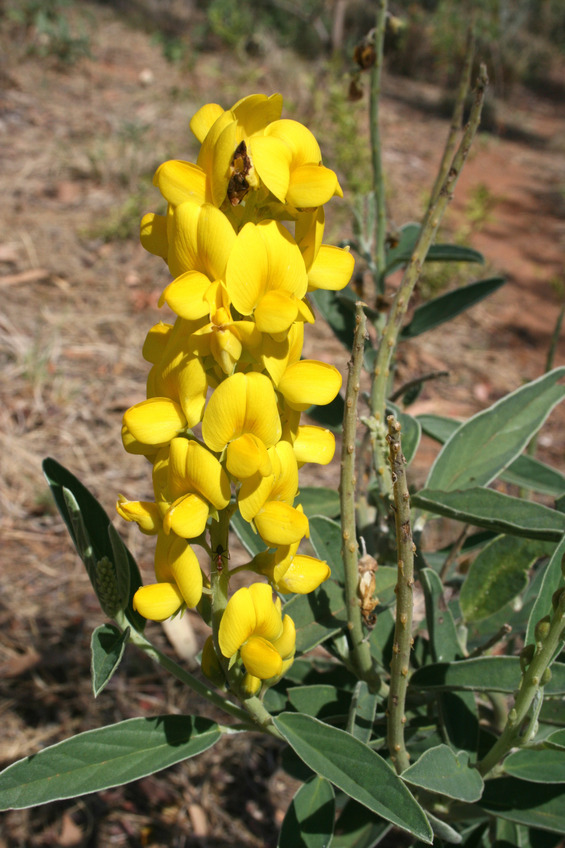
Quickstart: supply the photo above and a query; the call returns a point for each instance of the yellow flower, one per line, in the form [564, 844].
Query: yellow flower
[253, 625]
[145, 513]
[180, 580]
[309, 382]
[289, 572]
[314, 444]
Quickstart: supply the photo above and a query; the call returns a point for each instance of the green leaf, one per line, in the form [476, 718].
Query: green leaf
[539, 766]
[440, 770]
[524, 802]
[321, 701]
[325, 538]
[358, 827]
[495, 511]
[381, 638]
[553, 712]
[497, 575]
[364, 705]
[400, 255]
[108, 756]
[107, 649]
[530, 473]
[484, 674]
[441, 626]
[95, 524]
[488, 442]
[252, 542]
[552, 580]
[438, 427]
[447, 306]
[317, 500]
[556, 739]
[309, 821]
[339, 312]
[330, 415]
[317, 616]
[355, 769]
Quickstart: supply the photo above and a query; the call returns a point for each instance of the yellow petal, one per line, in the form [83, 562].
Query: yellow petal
[286, 643]
[311, 185]
[155, 421]
[302, 576]
[133, 446]
[275, 312]
[309, 232]
[204, 119]
[253, 493]
[260, 658]
[153, 234]
[179, 181]
[269, 621]
[309, 382]
[146, 514]
[331, 270]
[255, 111]
[207, 475]
[238, 622]
[243, 403]
[156, 342]
[247, 456]
[186, 517]
[186, 571]
[250, 685]
[200, 239]
[279, 523]
[192, 386]
[314, 444]
[299, 139]
[271, 159]
[286, 483]
[157, 601]
[185, 295]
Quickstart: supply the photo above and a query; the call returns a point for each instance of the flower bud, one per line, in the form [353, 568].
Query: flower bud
[526, 656]
[542, 629]
[546, 677]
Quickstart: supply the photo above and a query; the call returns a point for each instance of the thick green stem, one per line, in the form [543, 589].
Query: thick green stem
[530, 692]
[376, 148]
[360, 651]
[402, 645]
[413, 270]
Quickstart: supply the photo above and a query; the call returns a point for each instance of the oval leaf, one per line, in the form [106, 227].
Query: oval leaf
[552, 580]
[448, 305]
[440, 770]
[355, 769]
[545, 766]
[495, 511]
[107, 649]
[526, 803]
[317, 500]
[105, 757]
[484, 674]
[488, 442]
[325, 538]
[309, 821]
[317, 616]
[496, 576]
[321, 701]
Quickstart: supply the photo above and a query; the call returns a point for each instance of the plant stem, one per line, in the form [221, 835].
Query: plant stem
[402, 645]
[376, 149]
[413, 270]
[457, 116]
[140, 641]
[360, 651]
[530, 691]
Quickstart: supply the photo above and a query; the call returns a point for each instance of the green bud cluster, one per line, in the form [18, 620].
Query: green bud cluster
[107, 587]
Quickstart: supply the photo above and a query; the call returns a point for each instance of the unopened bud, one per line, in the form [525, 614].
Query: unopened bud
[107, 587]
[526, 656]
[542, 629]
[546, 677]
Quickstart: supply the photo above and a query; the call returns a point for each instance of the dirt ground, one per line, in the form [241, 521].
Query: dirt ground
[78, 146]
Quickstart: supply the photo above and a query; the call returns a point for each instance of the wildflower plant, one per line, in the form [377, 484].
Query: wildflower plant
[433, 726]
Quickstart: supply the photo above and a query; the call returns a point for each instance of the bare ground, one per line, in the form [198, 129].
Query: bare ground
[77, 144]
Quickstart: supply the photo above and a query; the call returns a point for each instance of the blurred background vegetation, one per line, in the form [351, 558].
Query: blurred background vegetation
[523, 40]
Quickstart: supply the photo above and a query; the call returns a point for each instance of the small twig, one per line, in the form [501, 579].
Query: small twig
[432, 375]
[360, 650]
[457, 116]
[453, 553]
[498, 636]
[402, 645]
[413, 270]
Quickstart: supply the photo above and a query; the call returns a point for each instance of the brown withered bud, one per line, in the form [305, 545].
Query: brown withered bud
[365, 55]
[240, 167]
[366, 589]
[355, 90]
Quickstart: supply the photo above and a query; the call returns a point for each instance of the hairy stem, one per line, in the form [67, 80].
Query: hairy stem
[402, 645]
